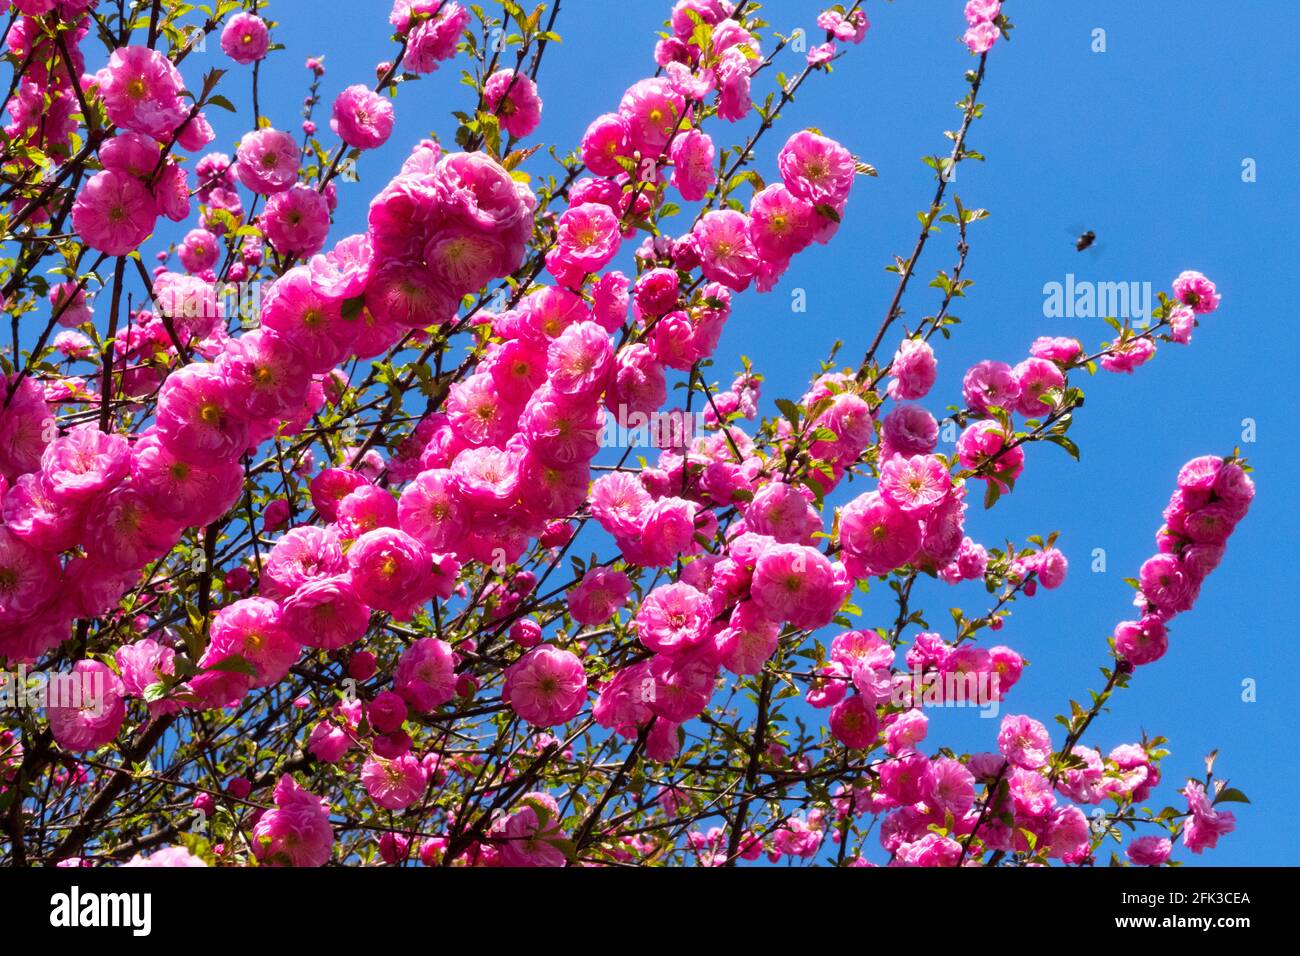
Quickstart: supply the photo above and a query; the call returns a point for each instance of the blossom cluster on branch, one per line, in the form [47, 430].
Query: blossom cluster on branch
[318, 559]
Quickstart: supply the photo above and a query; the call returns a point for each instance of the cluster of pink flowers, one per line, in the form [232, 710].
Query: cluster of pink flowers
[846, 27]
[1195, 294]
[432, 29]
[982, 30]
[500, 470]
[46, 101]
[1212, 496]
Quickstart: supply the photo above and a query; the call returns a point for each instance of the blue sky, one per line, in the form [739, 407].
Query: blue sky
[1143, 143]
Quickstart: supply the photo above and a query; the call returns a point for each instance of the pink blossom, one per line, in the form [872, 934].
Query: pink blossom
[1025, 742]
[404, 294]
[362, 118]
[113, 213]
[1149, 851]
[692, 154]
[748, 640]
[84, 463]
[1141, 642]
[303, 554]
[914, 485]
[727, 254]
[1205, 824]
[87, 712]
[391, 571]
[250, 629]
[394, 784]
[197, 416]
[425, 675]
[913, 368]
[512, 96]
[598, 596]
[297, 832]
[267, 161]
[853, 723]
[1193, 289]
[33, 515]
[798, 584]
[673, 618]
[981, 11]
[296, 221]
[877, 536]
[783, 512]
[1128, 355]
[141, 92]
[984, 445]
[988, 384]
[125, 532]
[1033, 377]
[652, 109]
[816, 169]
[546, 687]
[168, 856]
[1058, 349]
[325, 612]
[527, 837]
[587, 238]
[908, 430]
[780, 223]
[821, 53]
[70, 303]
[245, 38]
[580, 360]
[145, 663]
[434, 40]
[981, 37]
[683, 684]
[604, 143]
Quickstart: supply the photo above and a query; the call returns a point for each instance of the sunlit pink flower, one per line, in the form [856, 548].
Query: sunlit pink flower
[325, 612]
[245, 38]
[816, 168]
[267, 161]
[425, 675]
[597, 597]
[394, 784]
[391, 571]
[1193, 289]
[512, 96]
[692, 154]
[1024, 741]
[877, 536]
[296, 221]
[913, 368]
[362, 118]
[546, 687]
[86, 712]
[297, 832]
[113, 213]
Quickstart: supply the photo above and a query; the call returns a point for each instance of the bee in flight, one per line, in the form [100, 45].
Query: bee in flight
[1085, 240]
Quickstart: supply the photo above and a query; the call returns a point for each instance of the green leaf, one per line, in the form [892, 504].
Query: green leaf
[235, 664]
[789, 409]
[827, 211]
[1231, 795]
